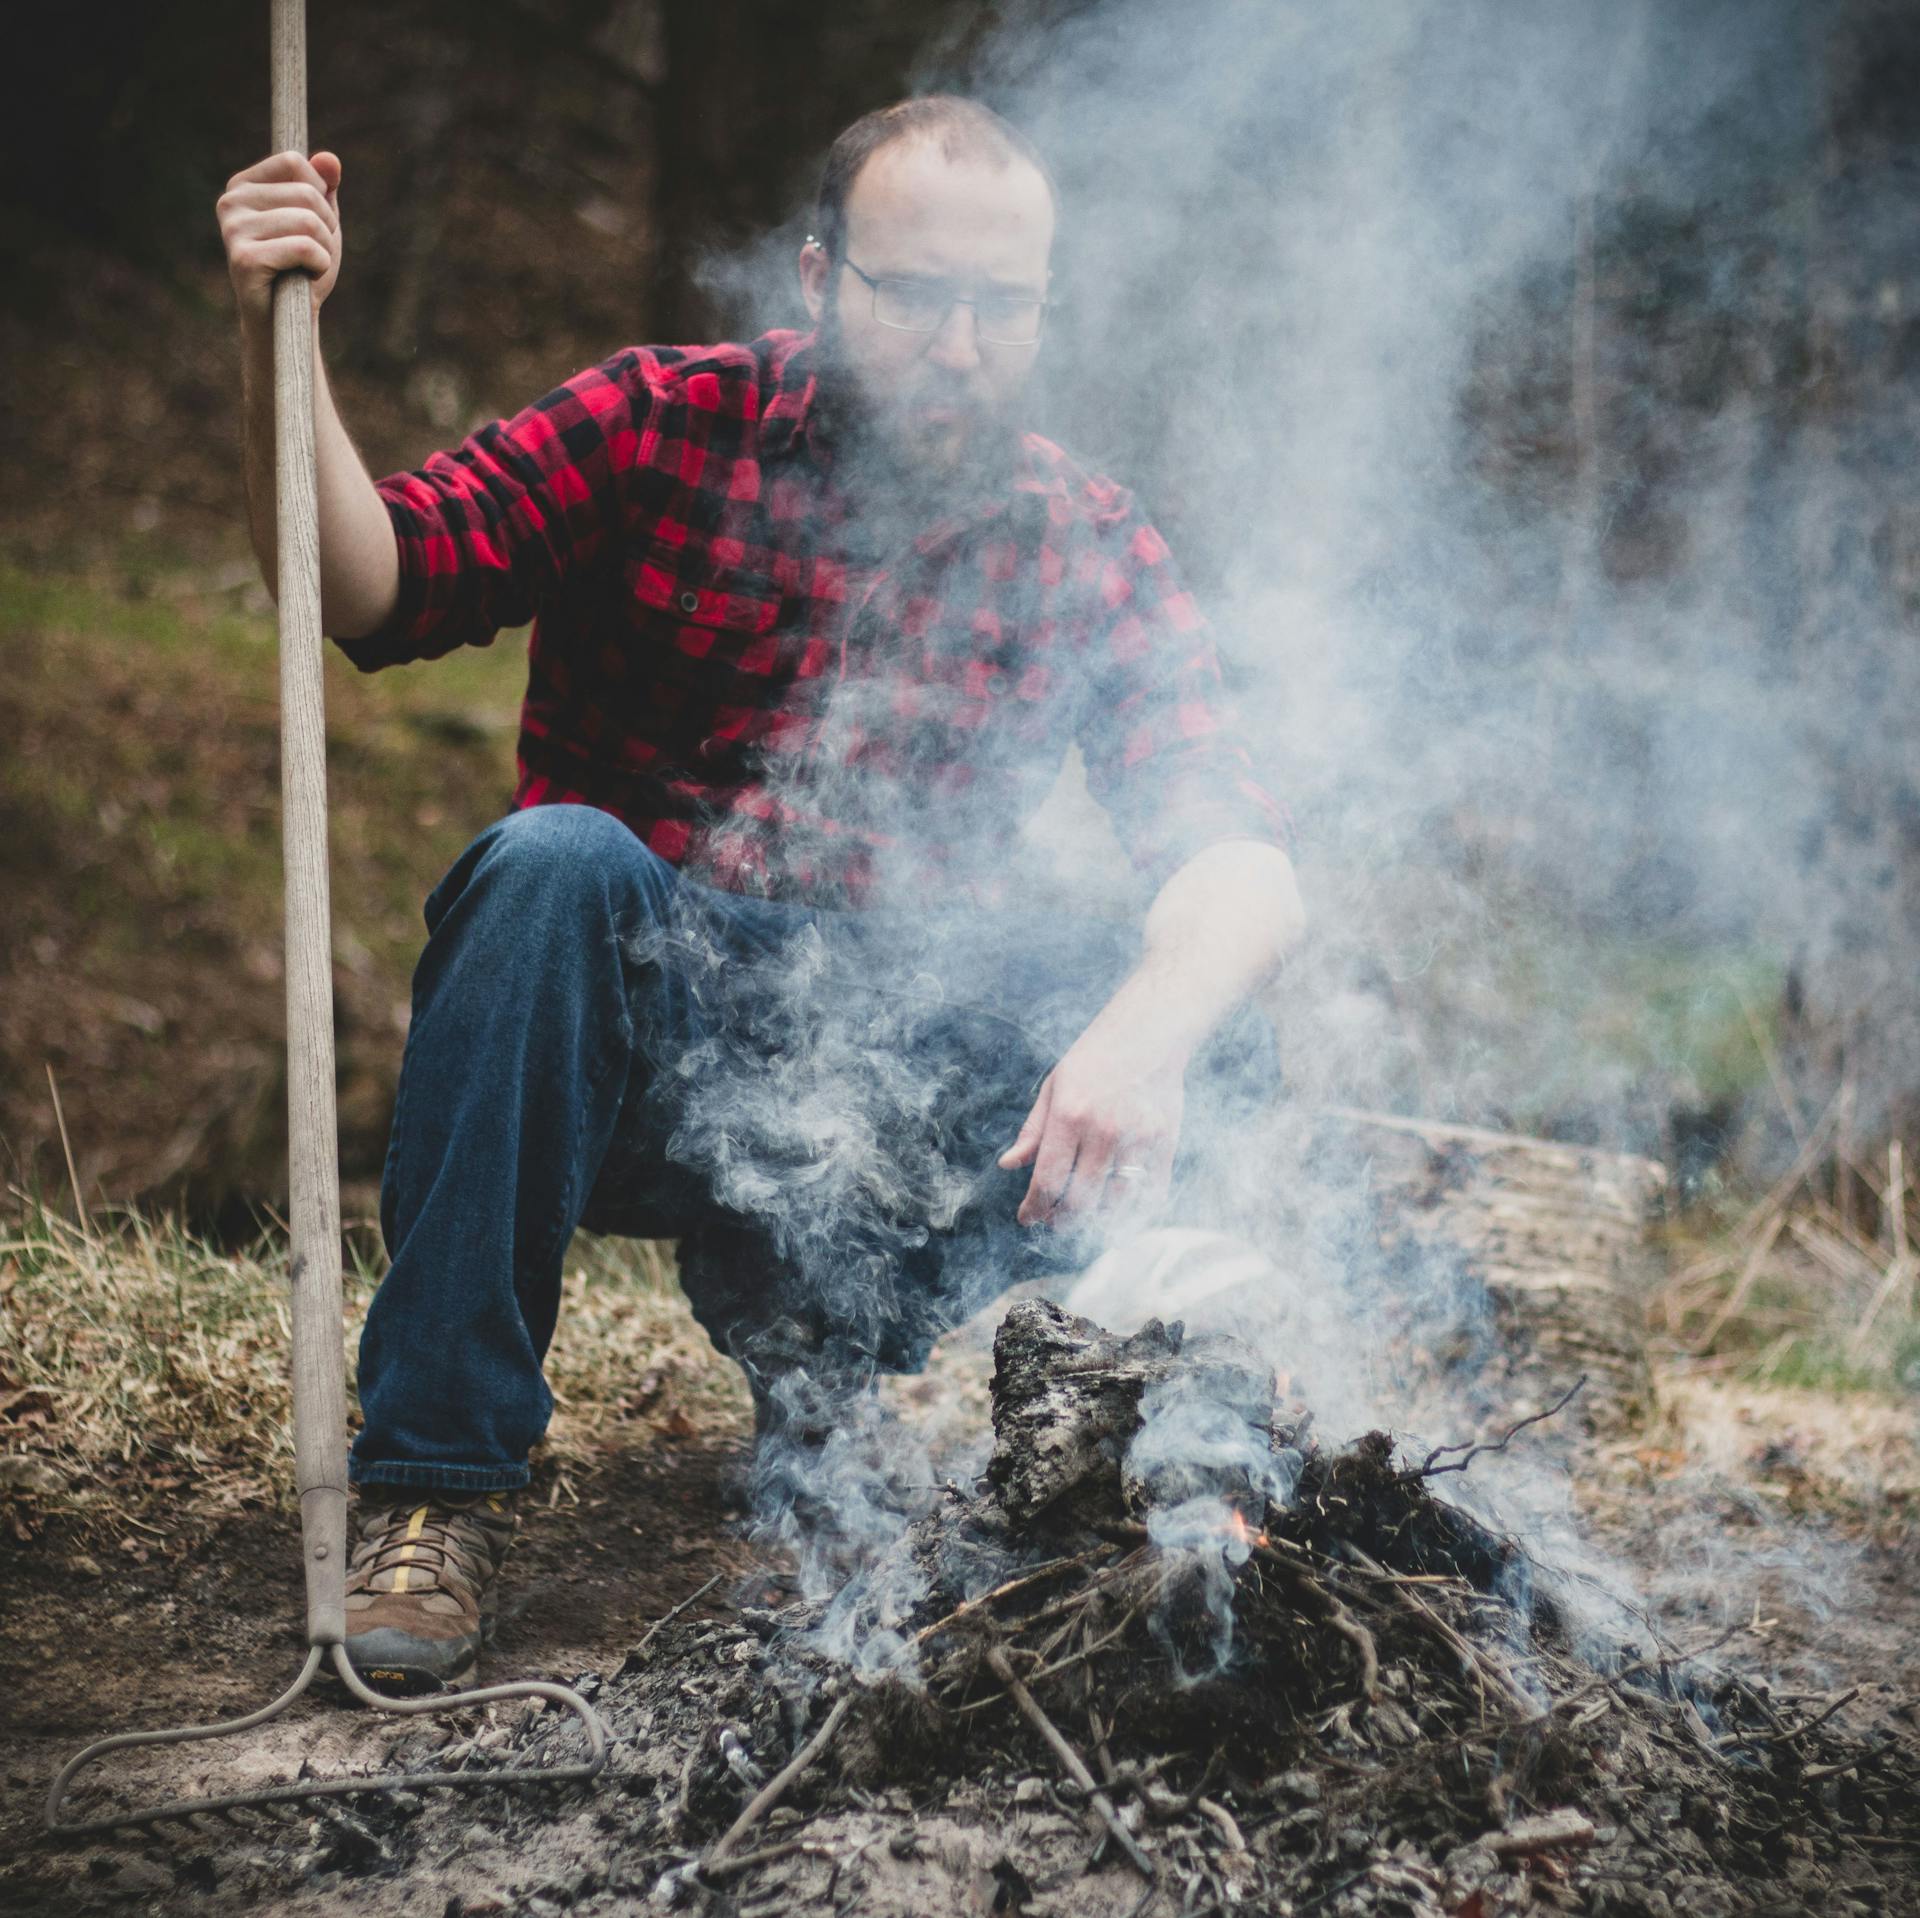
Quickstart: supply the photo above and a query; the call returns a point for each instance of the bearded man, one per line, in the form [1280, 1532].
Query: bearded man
[814, 623]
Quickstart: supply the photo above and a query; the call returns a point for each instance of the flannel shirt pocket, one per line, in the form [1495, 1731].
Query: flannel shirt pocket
[679, 590]
[706, 646]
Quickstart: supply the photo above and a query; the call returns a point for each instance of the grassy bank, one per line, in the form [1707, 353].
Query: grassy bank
[140, 861]
[143, 1367]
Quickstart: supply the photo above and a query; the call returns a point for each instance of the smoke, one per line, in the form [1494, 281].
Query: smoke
[1524, 389]
[1200, 1468]
[1470, 354]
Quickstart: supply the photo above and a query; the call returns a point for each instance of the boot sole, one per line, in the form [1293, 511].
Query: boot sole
[397, 1678]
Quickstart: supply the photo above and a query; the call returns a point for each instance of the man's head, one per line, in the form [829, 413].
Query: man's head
[951, 211]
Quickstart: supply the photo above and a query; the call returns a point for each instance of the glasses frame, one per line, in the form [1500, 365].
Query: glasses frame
[874, 282]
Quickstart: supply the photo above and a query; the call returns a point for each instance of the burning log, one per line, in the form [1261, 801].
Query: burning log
[1067, 1402]
[1148, 1516]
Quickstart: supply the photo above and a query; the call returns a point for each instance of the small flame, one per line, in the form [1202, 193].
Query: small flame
[1242, 1531]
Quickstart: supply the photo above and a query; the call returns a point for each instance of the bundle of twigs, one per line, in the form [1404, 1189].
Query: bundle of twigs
[1257, 1637]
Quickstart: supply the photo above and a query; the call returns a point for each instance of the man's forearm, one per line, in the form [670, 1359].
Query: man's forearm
[359, 559]
[1216, 932]
[1110, 1111]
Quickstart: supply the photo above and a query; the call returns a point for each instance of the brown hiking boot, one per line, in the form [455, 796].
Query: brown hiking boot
[420, 1585]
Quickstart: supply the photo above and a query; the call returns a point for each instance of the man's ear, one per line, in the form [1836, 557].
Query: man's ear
[816, 272]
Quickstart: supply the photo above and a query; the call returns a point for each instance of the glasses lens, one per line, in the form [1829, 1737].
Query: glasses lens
[1010, 322]
[920, 306]
[916, 306]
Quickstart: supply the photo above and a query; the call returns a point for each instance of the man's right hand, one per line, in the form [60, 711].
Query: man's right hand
[280, 215]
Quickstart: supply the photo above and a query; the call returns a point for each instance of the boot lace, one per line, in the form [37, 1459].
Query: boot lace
[428, 1546]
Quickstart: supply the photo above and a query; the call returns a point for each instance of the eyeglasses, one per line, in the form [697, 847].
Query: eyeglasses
[922, 306]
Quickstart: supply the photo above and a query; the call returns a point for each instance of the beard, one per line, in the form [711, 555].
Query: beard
[881, 453]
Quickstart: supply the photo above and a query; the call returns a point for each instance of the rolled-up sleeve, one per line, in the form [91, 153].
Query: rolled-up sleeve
[490, 530]
[1164, 749]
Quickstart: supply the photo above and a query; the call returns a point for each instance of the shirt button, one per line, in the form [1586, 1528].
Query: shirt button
[996, 681]
[689, 602]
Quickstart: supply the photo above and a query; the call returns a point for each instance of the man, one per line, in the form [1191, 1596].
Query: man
[815, 623]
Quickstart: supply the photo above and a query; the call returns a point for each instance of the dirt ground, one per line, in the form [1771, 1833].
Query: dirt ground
[210, 1628]
[87, 1648]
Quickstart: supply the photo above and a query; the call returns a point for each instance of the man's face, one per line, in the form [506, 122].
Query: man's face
[933, 403]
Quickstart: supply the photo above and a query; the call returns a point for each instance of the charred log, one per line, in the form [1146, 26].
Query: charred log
[1067, 1404]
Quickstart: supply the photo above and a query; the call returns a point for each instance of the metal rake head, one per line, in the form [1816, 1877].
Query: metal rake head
[272, 1798]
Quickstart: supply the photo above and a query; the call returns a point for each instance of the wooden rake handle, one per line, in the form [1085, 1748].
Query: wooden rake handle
[319, 1365]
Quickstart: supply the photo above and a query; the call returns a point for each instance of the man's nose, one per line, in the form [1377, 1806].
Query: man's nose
[955, 344]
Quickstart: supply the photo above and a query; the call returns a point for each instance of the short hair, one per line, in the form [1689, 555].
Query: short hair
[965, 130]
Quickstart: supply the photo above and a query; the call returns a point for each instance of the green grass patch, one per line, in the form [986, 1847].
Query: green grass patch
[141, 859]
[1675, 1011]
[1818, 1363]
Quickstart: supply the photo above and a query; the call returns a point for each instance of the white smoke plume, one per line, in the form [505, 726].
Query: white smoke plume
[1569, 636]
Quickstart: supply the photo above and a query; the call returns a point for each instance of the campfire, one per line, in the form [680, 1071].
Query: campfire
[1170, 1653]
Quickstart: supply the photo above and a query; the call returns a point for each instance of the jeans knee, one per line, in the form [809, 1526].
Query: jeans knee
[545, 862]
[555, 841]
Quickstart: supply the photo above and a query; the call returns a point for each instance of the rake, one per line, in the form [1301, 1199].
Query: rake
[319, 1367]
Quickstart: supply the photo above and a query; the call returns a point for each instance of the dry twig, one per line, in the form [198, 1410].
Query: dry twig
[1006, 1590]
[1610, 1681]
[1757, 1256]
[1789, 1733]
[1471, 1452]
[1088, 1649]
[1221, 1816]
[1070, 1760]
[1333, 1613]
[660, 1624]
[1482, 1664]
[776, 1787]
[1356, 1635]
[66, 1146]
[746, 1861]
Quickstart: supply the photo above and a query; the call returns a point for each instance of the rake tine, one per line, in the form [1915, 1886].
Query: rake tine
[284, 1801]
[172, 1735]
[563, 1695]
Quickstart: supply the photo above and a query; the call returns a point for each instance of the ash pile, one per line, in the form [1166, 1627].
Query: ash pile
[1170, 1654]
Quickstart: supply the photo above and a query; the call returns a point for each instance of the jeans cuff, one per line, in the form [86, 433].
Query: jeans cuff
[440, 1478]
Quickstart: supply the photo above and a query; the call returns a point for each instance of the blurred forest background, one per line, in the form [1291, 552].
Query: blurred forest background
[531, 184]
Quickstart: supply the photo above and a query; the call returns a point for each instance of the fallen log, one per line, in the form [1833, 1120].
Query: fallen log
[1514, 1264]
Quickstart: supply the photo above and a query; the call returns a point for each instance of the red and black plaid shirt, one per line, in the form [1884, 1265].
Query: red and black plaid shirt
[715, 661]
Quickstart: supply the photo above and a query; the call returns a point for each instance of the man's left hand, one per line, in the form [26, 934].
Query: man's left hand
[1104, 1129]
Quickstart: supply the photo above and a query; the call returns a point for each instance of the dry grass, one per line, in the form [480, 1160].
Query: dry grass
[1809, 1286]
[140, 1363]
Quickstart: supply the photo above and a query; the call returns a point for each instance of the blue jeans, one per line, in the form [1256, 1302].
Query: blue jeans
[810, 1102]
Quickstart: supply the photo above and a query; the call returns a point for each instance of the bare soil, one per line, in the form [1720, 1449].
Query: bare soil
[92, 1642]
